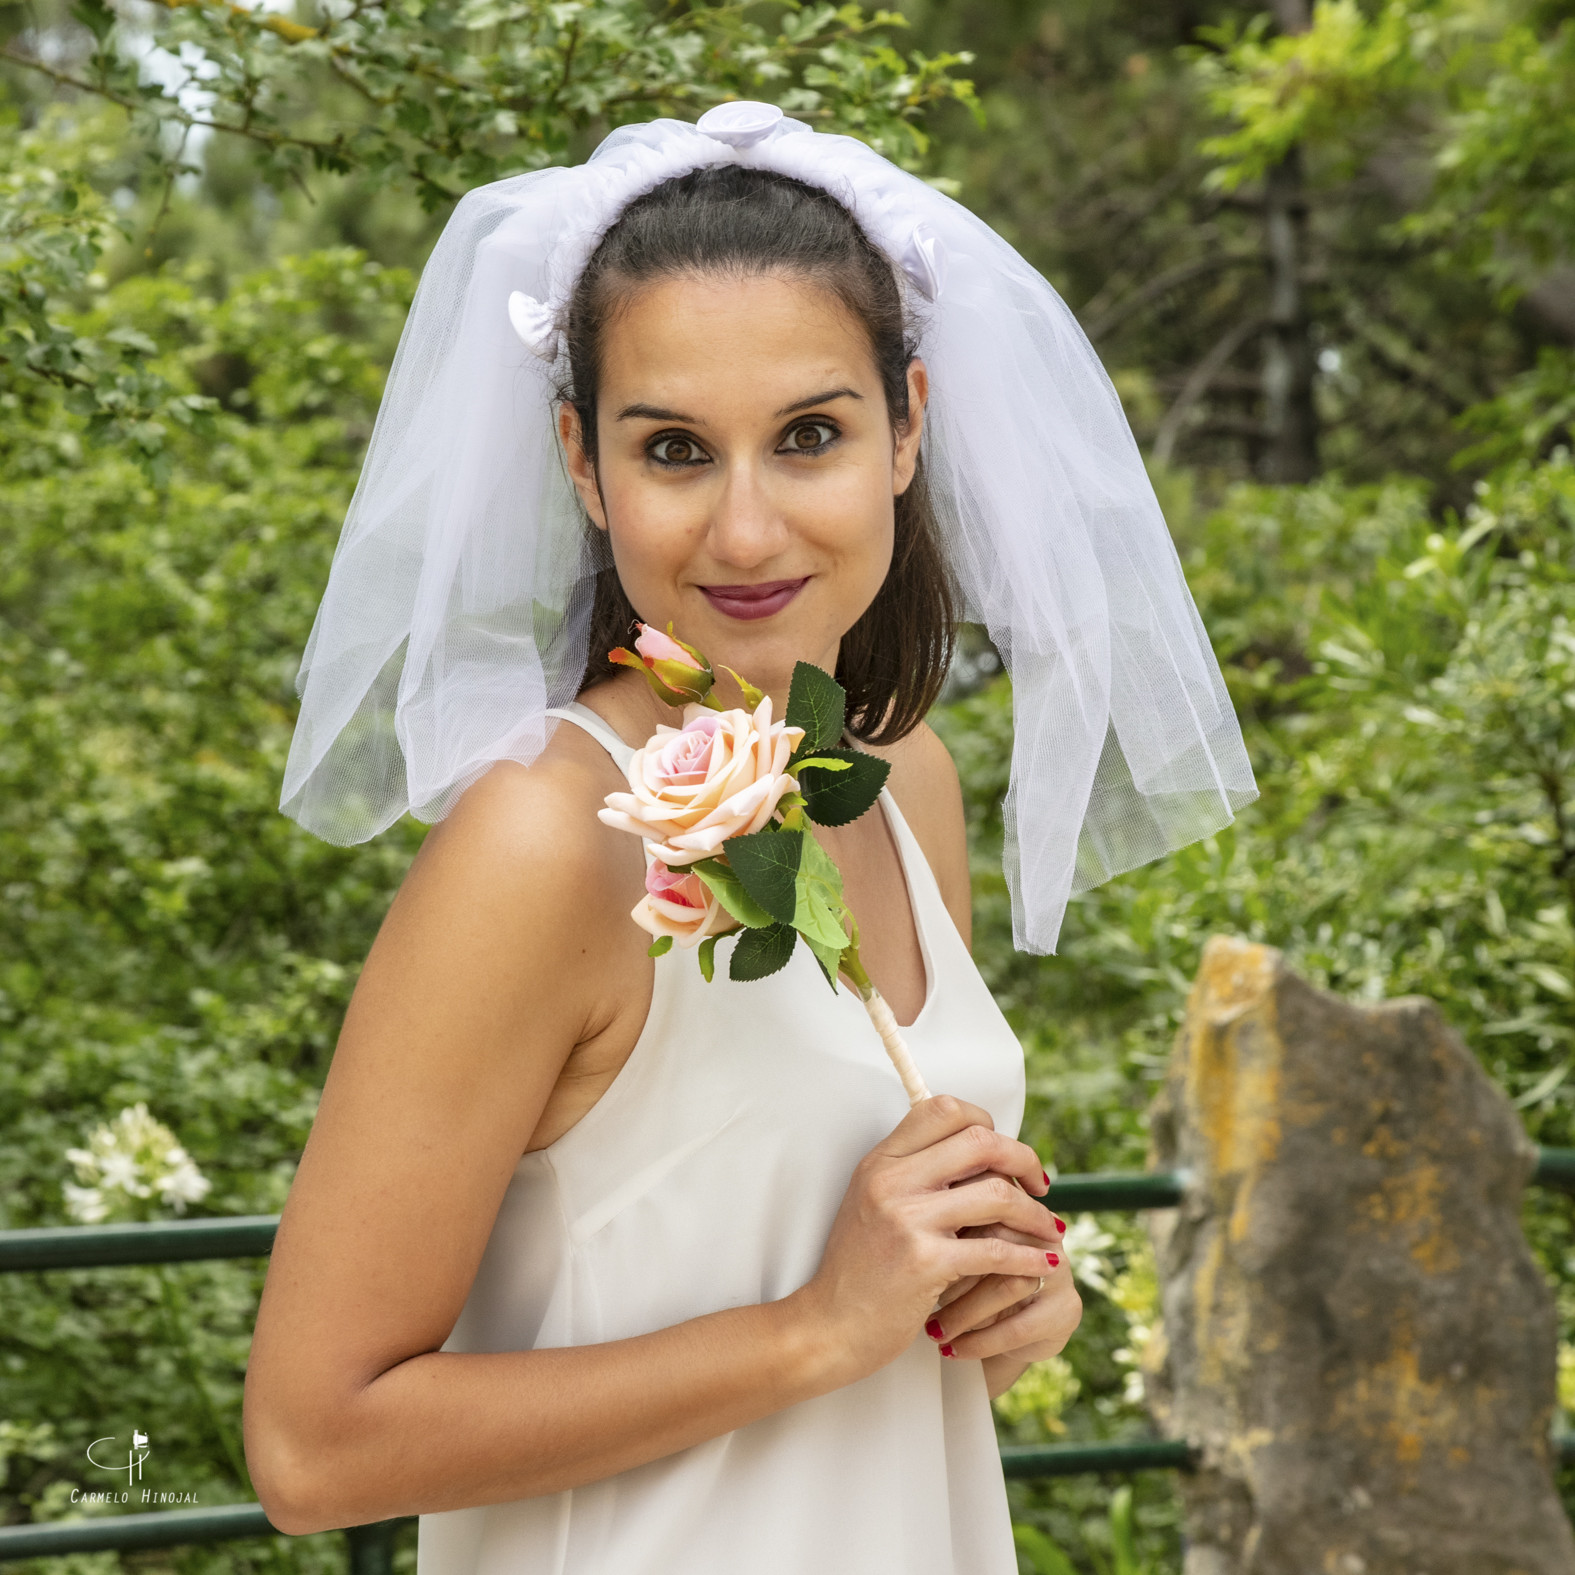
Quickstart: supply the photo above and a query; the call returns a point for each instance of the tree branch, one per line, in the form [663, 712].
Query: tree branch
[270, 139]
[1200, 381]
[1113, 316]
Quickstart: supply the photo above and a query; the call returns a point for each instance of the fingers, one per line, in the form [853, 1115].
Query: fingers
[930, 1121]
[982, 1304]
[991, 1201]
[958, 1288]
[1037, 1327]
[976, 1150]
[987, 1255]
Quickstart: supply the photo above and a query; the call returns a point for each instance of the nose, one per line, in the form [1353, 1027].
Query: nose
[746, 528]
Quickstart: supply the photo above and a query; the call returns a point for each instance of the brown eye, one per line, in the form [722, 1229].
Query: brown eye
[675, 450]
[808, 436]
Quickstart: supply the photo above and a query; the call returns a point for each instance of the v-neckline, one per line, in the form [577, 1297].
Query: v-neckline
[902, 834]
[896, 823]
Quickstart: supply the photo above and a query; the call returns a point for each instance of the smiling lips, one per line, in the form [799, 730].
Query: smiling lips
[753, 601]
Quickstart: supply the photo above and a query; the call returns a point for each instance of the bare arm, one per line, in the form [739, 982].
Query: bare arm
[507, 949]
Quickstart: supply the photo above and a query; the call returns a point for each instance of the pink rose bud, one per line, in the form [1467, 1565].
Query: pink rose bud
[677, 672]
[659, 647]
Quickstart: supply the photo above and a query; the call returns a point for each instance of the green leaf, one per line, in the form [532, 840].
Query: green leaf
[728, 890]
[660, 946]
[818, 704]
[829, 958]
[1041, 1552]
[760, 953]
[817, 914]
[835, 800]
[752, 696]
[707, 958]
[767, 864]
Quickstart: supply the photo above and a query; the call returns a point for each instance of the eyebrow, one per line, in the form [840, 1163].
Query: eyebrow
[819, 399]
[657, 413]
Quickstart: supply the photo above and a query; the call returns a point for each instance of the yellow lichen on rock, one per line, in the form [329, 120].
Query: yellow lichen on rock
[1356, 1338]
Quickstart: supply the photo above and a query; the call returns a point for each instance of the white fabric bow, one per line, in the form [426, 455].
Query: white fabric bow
[534, 322]
[762, 137]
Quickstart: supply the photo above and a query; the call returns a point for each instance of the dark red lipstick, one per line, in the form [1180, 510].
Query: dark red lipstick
[753, 601]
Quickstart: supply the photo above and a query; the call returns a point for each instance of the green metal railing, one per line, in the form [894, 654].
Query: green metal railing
[370, 1547]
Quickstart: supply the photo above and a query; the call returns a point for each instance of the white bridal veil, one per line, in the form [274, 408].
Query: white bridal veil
[457, 606]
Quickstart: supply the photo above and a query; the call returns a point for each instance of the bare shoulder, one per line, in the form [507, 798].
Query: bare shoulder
[539, 819]
[507, 947]
[925, 784]
[493, 960]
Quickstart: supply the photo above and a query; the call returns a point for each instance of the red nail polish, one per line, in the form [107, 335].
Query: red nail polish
[1060, 1224]
[933, 1329]
[1052, 1260]
[946, 1350]
[1046, 1175]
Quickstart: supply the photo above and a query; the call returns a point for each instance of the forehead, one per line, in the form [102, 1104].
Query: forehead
[733, 341]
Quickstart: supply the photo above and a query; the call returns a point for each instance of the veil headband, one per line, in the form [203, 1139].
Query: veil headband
[458, 603]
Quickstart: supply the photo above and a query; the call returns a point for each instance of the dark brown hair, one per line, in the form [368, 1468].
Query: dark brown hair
[738, 221]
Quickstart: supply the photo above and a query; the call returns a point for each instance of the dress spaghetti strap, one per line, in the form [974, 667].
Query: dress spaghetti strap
[597, 727]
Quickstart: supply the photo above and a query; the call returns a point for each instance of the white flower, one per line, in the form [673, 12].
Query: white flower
[185, 1184]
[85, 1204]
[1088, 1247]
[127, 1161]
[119, 1169]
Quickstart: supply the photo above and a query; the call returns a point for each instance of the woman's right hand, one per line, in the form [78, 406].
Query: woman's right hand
[894, 1248]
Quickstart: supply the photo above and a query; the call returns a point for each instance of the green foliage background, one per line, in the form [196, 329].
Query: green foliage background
[194, 327]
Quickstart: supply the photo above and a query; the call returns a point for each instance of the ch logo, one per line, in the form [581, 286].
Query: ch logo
[134, 1456]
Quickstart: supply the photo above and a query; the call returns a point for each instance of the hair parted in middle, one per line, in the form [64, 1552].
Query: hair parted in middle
[730, 220]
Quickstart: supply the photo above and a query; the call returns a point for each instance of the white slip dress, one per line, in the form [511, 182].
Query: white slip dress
[707, 1176]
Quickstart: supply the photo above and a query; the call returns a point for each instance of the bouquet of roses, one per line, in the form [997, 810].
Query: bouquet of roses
[725, 803]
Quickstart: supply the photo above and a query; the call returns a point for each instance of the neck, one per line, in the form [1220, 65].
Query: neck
[774, 683]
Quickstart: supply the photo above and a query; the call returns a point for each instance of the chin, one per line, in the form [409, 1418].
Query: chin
[764, 650]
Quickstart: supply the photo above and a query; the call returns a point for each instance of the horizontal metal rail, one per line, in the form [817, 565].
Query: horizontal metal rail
[232, 1522]
[251, 1235]
[115, 1246]
[164, 1528]
[1118, 1189]
[1555, 1169]
[369, 1545]
[1069, 1460]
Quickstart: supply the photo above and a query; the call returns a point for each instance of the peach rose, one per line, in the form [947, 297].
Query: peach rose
[680, 905]
[722, 774]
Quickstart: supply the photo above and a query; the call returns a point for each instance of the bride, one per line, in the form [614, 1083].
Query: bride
[594, 1265]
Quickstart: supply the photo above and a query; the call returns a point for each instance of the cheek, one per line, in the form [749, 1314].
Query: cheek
[850, 519]
[654, 530]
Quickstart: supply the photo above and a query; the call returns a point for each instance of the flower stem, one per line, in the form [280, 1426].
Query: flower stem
[885, 1024]
[896, 1048]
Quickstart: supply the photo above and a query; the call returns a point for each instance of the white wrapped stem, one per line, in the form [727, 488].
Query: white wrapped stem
[891, 1037]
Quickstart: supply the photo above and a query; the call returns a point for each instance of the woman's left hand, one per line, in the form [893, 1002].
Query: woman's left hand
[1002, 1315]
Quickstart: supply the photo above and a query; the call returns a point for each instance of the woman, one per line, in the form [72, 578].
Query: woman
[595, 1265]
